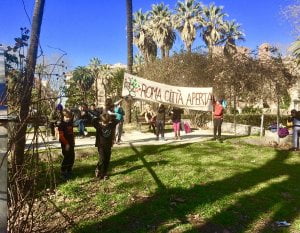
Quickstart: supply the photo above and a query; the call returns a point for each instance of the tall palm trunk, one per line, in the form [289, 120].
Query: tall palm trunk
[129, 52]
[19, 142]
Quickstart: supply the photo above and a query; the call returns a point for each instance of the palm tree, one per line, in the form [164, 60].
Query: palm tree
[142, 37]
[95, 67]
[106, 76]
[161, 27]
[129, 52]
[186, 20]
[84, 78]
[213, 23]
[231, 33]
[295, 49]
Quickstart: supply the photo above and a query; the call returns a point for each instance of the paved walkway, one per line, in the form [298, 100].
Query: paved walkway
[135, 137]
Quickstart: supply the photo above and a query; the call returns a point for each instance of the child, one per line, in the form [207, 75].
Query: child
[66, 138]
[105, 129]
[176, 119]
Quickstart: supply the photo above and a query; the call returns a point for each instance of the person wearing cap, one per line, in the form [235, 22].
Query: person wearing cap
[119, 111]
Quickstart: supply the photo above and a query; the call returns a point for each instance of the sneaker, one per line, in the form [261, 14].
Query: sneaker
[81, 136]
[106, 177]
[163, 139]
[179, 138]
[97, 173]
[175, 138]
[85, 133]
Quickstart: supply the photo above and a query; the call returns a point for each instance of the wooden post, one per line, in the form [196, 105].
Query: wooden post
[262, 125]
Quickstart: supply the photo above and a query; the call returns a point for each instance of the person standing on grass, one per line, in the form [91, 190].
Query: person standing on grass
[160, 122]
[295, 124]
[218, 111]
[66, 138]
[82, 120]
[105, 128]
[176, 119]
[118, 110]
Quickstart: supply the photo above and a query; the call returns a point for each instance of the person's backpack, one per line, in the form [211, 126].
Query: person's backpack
[283, 132]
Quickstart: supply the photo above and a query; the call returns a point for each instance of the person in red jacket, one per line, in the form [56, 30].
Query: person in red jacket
[218, 111]
[66, 138]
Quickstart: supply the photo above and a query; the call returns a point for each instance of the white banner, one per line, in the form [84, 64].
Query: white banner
[183, 97]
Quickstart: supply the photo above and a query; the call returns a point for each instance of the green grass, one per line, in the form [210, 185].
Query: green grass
[203, 187]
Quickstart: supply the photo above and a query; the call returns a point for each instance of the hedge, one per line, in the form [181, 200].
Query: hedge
[255, 119]
[200, 119]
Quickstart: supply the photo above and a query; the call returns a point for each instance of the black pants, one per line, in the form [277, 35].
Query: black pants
[104, 159]
[68, 161]
[152, 125]
[52, 128]
[217, 127]
[160, 128]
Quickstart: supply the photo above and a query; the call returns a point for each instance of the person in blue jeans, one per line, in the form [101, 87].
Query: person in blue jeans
[119, 114]
[295, 120]
[82, 120]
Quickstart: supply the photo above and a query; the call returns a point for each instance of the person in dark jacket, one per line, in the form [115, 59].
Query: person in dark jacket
[105, 129]
[93, 112]
[176, 119]
[66, 138]
[55, 117]
[160, 122]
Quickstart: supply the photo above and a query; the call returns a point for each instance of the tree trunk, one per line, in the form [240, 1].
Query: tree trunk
[278, 116]
[19, 142]
[96, 83]
[129, 54]
[189, 48]
[163, 52]
[234, 111]
[129, 36]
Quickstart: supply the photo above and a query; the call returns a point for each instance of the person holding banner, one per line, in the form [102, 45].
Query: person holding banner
[218, 111]
[160, 122]
[149, 117]
[176, 119]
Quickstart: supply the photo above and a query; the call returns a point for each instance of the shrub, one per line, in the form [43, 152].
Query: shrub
[251, 110]
[255, 119]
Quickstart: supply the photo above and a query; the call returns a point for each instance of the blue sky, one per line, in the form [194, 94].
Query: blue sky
[94, 28]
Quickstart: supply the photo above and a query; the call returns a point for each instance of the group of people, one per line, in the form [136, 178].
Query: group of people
[108, 122]
[156, 120]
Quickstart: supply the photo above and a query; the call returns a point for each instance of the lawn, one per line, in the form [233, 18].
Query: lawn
[202, 187]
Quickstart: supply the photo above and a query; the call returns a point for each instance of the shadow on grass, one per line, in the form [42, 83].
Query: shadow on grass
[168, 207]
